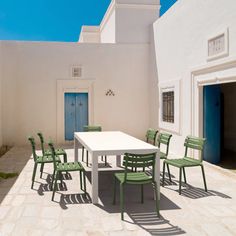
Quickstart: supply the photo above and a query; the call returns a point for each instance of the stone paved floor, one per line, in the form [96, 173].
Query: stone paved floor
[31, 212]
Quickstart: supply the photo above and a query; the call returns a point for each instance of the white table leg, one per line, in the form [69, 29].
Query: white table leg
[118, 160]
[157, 172]
[94, 178]
[76, 148]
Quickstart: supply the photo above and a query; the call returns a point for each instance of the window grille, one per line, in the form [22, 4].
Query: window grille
[168, 106]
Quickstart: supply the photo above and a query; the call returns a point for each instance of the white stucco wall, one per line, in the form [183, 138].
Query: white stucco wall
[133, 24]
[108, 29]
[181, 45]
[31, 71]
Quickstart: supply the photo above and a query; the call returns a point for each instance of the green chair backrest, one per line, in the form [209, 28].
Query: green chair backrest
[41, 141]
[51, 146]
[164, 138]
[32, 142]
[194, 143]
[151, 136]
[135, 161]
[91, 128]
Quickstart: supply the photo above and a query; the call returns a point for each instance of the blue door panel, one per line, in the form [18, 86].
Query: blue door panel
[212, 123]
[76, 113]
[81, 111]
[69, 115]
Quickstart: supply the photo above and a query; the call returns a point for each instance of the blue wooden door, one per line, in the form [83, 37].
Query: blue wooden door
[76, 113]
[212, 123]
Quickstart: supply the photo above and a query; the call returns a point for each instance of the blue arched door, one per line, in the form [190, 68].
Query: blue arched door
[76, 113]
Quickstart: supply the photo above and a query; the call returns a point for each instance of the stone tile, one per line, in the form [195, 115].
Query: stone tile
[14, 213]
[48, 224]
[4, 210]
[31, 210]
[216, 230]
[96, 233]
[6, 228]
[111, 223]
[52, 212]
[18, 200]
[6, 200]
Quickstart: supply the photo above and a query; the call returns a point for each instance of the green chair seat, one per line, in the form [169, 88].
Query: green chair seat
[69, 166]
[59, 152]
[163, 155]
[134, 177]
[47, 159]
[183, 162]
[134, 161]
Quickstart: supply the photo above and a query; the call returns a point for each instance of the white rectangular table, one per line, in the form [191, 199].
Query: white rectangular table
[112, 143]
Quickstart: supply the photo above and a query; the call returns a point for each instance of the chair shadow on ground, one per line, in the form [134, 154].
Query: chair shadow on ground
[65, 199]
[192, 192]
[79, 198]
[47, 187]
[142, 215]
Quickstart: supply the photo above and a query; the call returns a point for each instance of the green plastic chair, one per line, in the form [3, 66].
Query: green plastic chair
[47, 152]
[65, 167]
[151, 136]
[40, 160]
[132, 161]
[194, 143]
[91, 128]
[163, 139]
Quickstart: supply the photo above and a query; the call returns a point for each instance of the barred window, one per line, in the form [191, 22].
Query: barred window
[168, 106]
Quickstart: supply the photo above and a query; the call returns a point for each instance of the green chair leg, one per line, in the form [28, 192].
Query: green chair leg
[163, 174]
[34, 173]
[105, 160]
[85, 190]
[122, 201]
[204, 178]
[157, 200]
[80, 177]
[55, 186]
[41, 170]
[114, 192]
[168, 169]
[53, 178]
[65, 157]
[185, 181]
[82, 153]
[86, 158]
[180, 180]
[142, 196]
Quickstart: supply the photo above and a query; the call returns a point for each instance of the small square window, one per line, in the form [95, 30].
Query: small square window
[168, 106]
[218, 45]
[76, 71]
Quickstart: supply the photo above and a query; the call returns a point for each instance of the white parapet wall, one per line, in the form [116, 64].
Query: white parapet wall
[90, 34]
[181, 43]
[31, 74]
[126, 21]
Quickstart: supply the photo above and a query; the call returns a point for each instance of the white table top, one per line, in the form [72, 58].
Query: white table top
[110, 141]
